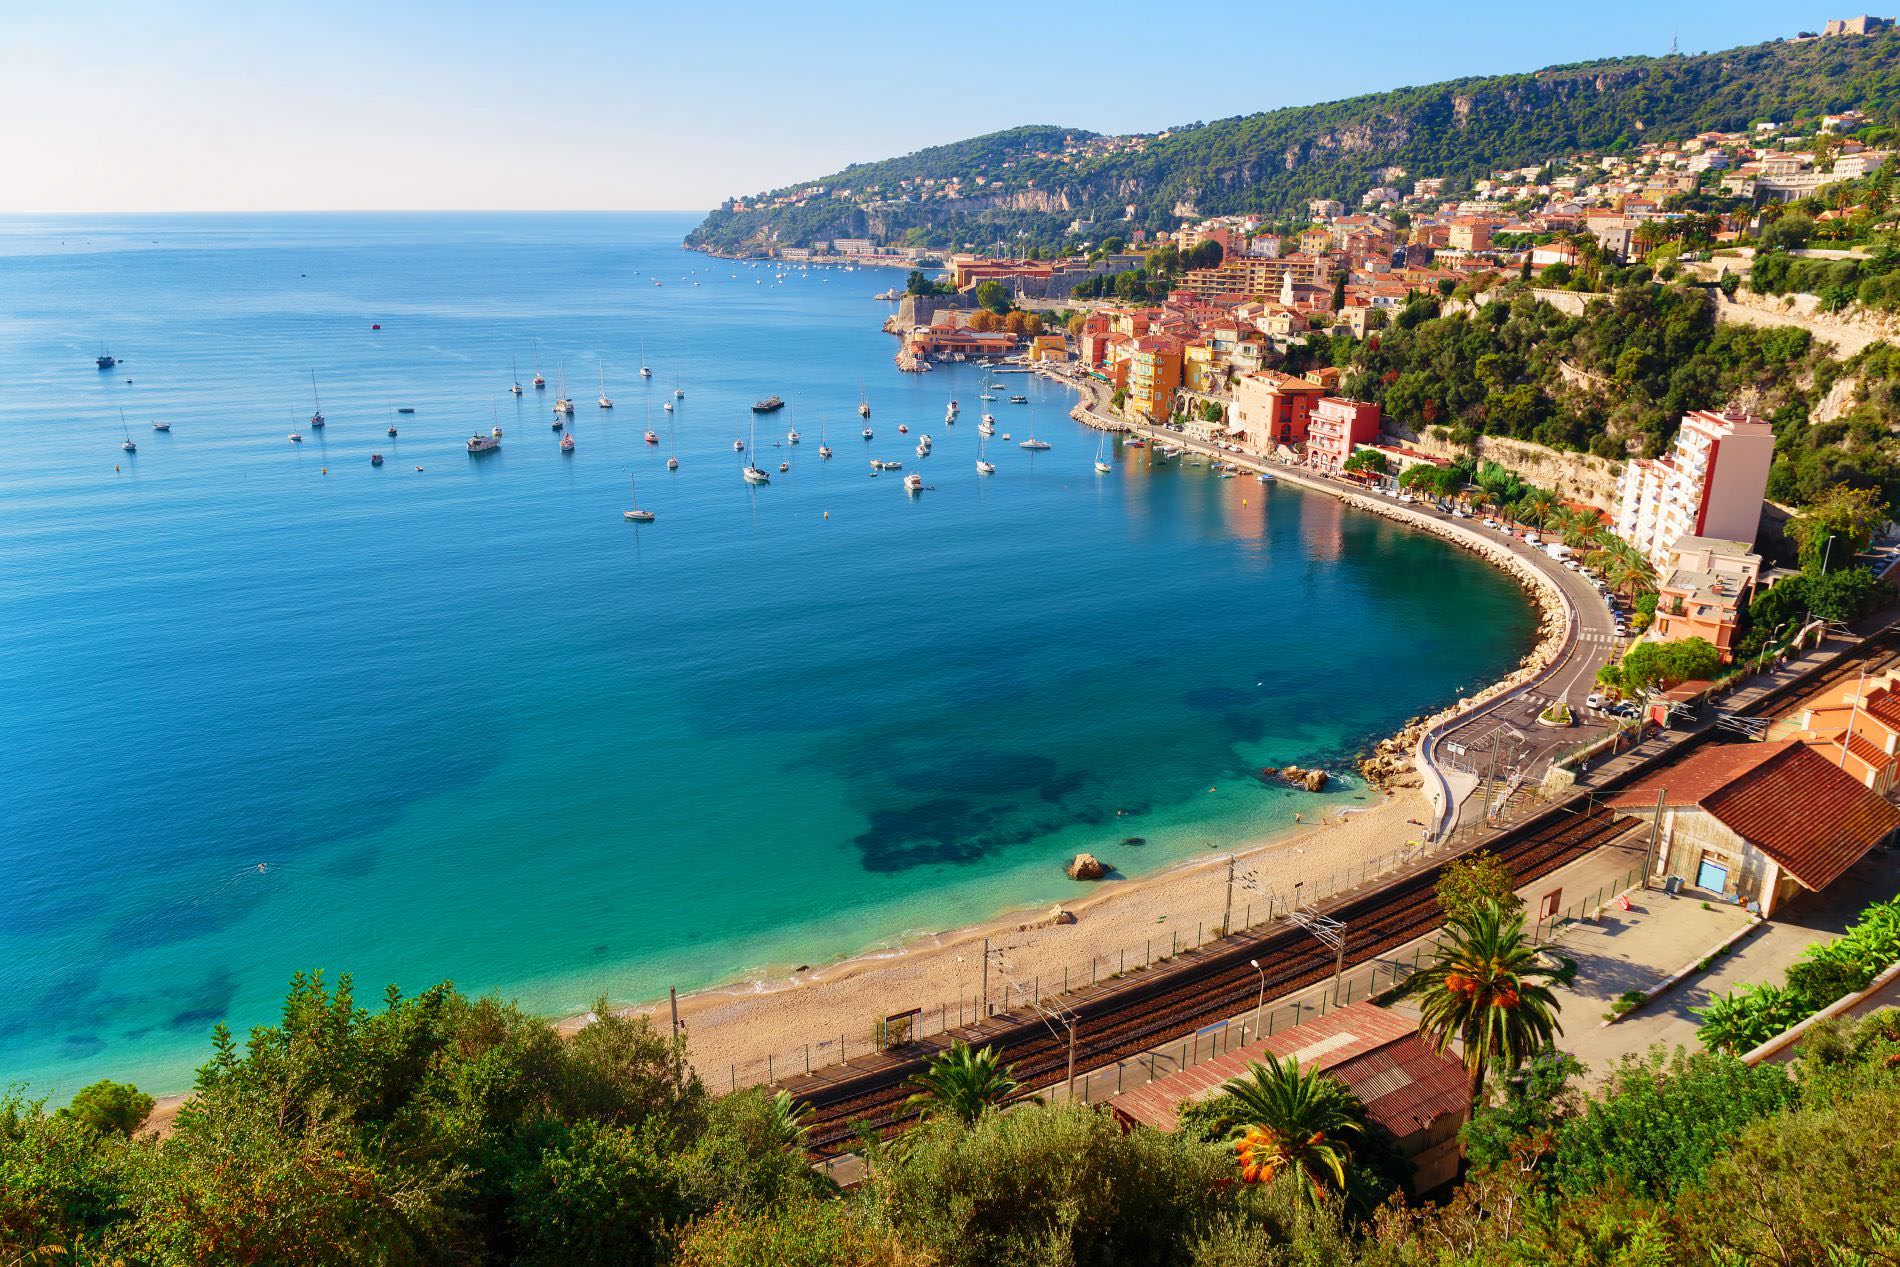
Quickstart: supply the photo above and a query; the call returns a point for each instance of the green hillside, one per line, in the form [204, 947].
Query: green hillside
[1037, 180]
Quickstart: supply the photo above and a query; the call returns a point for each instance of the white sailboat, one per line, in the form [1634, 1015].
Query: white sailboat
[126, 444]
[605, 401]
[824, 450]
[645, 370]
[563, 407]
[540, 383]
[672, 455]
[316, 404]
[864, 402]
[983, 465]
[753, 474]
[515, 365]
[1032, 442]
[1101, 463]
[679, 393]
[635, 514]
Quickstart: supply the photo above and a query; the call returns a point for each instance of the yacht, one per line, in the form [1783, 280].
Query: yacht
[903, 428]
[516, 366]
[375, 459]
[950, 412]
[983, 465]
[667, 405]
[316, 412]
[1019, 400]
[606, 402]
[672, 464]
[679, 393]
[913, 483]
[738, 446]
[652, 438]
[766, 406]
[479, 443]
[296, 437]
[791, 437]
[1033, 443]
[161, 426]
[105, 360]
[636, 515]
[567, 444]
[1101, 463]
[864, 402]
[126, 444]
[646, 371]
[540, 383]
[866, 433]
[784, 466]
[752, 472]
[923, 450]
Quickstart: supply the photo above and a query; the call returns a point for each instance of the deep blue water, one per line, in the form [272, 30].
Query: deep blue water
[266, 708]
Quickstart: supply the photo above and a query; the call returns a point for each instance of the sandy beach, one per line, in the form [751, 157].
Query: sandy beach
[732, 1029]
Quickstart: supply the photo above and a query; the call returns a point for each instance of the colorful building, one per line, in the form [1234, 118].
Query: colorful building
[1705, 591]
[1272, 408]
[1337, 426]
[1710, 484]
[1154, 375]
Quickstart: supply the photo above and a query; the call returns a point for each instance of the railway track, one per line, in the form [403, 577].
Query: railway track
[1200, 987]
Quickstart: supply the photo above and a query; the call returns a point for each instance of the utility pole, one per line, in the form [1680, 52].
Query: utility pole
[1071, 1086]
[1227, 916]
[986, 977]
[1655, 832]
[673, 997]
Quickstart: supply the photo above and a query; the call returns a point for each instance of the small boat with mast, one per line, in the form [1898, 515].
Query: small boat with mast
[646, 371]
[605, 401]
[126, 443]
[983, 465]
[824, 449]
[752, 472]
[515, 365]
[1101, 463]
[635, 514]
[563, 405]
[316, 402]
[540, 383]
[864, 401]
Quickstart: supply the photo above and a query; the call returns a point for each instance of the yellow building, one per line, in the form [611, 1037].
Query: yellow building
[1154, 375]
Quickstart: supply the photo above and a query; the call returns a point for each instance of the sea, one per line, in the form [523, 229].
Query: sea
[268, 708]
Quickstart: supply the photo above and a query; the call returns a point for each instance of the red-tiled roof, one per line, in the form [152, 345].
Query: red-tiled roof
[1405, 1085]
[1784, 798]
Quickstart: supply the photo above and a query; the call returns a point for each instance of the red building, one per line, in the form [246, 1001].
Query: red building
[1336, 427]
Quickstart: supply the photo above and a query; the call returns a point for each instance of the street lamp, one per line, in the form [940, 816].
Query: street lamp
[1261, 1002]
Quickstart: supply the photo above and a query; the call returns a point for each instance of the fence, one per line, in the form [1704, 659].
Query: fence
[1255, 905]
[1378, 978]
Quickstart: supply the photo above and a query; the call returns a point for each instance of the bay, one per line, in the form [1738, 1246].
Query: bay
[266, 708]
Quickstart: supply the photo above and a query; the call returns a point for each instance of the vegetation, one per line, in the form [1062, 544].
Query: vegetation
[441, 1129]
[1477, 880]
[1751, 1015]
[1273, 162]
[1367, 462]
[1488, 988]
[1651, 666]
[962, 1084]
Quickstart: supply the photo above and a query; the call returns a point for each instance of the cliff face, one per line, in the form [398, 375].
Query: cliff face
[1033, 181]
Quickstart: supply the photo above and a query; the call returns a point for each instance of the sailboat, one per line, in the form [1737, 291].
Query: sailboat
[316, 412]
[645, 371]
[636, 515]
[127, 444]
[563, 407]
[752, 473]
[983, 465]
[1101, 463]
[679, 393]
[824, 450]
[605, 403]
[540, 383]
[516, 367]
[672, 457]
[1032, 442]
[864, 402]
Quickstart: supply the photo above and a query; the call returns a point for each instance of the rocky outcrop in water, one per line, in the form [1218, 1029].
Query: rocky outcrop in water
[1086, 866]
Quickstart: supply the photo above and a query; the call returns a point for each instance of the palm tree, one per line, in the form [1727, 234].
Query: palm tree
[1486, 988]
[962, 1083]
[1624, 567]
[788, 1121]
[1294, 1121]
[1538, 507]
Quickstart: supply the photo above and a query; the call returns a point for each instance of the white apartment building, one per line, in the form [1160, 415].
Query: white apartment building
[1709, 485]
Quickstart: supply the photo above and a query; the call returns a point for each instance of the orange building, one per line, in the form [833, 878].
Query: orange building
[1154, 375]
[1273, 408]
[1705, 592]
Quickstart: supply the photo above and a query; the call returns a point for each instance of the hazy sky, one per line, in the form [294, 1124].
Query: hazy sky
[110, 106]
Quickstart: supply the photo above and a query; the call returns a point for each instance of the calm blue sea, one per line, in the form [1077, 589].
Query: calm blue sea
[264, 707]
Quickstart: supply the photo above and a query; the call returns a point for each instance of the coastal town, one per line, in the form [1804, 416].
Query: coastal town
[1396, 764]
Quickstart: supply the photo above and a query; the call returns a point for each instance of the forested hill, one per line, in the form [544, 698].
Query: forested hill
[1039, 179]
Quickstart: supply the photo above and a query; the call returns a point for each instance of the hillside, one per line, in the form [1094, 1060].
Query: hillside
[1038, 179]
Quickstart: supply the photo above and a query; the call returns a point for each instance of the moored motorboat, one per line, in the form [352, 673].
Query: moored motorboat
[567, 444]
[651, 438]
[768, 405]
[161, 426]
[913, 483]
[479, 443]
[375, 459]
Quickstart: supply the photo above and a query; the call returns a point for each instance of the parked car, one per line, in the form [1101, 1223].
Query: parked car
[1597, 700]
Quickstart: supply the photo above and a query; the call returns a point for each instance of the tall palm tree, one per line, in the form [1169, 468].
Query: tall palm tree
[1486, 988]
[1625, 568]
[962, 1083]
[1538, 507]
[1294, 1121]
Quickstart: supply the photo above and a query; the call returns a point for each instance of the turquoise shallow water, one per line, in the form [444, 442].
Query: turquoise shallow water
[468, 723]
